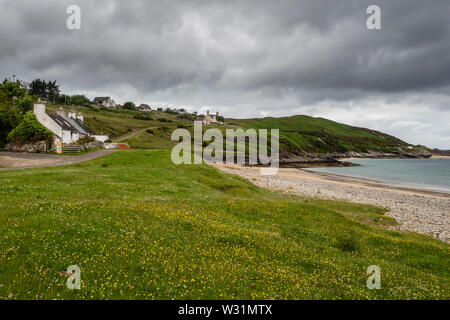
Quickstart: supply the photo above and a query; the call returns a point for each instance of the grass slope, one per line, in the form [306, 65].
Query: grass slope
[117, 123]
[318, 135]
[298, 134]
[140, 227]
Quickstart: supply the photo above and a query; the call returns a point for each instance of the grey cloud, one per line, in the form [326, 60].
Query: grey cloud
[248, 58]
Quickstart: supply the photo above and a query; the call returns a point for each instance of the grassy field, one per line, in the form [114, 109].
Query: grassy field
[140, 227]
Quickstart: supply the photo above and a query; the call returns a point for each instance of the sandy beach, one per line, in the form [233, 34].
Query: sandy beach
[416, 210]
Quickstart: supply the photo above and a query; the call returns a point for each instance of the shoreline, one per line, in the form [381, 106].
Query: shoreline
[366, 182]
[368, 158]
[416, 210]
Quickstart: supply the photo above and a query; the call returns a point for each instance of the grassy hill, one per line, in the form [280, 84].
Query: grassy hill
[298, 134]
[140, 227]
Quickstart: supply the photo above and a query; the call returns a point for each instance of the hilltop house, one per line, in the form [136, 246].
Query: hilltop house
[144, 107]
[208, 118]
[66, 128]
[107, 102]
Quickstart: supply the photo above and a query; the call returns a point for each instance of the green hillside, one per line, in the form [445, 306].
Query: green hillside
[298, 134]
[317, 135]
[140, 227]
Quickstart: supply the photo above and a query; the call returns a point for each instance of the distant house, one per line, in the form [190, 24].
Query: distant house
[144, 107]
[67, 128]
[107, 102]
[208, 118]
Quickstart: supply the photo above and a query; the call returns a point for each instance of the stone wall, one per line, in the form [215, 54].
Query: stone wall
[38, 147]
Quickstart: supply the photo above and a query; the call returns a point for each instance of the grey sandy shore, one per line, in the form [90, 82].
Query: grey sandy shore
[421, 211]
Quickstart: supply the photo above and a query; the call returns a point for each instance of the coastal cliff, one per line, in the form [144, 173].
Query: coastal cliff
[338, 159]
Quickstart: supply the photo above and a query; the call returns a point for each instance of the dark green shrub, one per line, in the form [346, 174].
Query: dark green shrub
[348, 243]
[29, 130]
[143, 117]
[85, 139]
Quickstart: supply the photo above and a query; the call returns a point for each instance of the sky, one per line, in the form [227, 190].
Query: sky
[244, 58]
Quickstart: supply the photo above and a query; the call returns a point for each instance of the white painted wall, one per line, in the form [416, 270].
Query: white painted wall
[66, 136]
[100, 137]
[46, 121]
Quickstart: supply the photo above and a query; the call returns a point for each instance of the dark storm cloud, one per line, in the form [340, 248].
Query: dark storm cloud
[245, 57]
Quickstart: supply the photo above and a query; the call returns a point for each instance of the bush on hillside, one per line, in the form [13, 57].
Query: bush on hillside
[129, 105]
[85, 139]
[29, 130]
[143, 117]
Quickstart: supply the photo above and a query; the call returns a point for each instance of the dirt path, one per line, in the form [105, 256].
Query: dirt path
[130, 135]
[16, 161]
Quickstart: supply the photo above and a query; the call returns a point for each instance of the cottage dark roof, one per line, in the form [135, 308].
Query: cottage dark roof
[76, 126]
[71, 124]
[63, 123]
[100, 99]
[84, 126]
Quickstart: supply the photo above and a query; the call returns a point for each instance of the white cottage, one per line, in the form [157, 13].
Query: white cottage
[66, 128]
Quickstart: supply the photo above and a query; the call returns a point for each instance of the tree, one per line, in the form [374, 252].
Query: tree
[129, 105]
[24, 104]
[79, 100]
[13, 89]
[10, 116]
[29, 130]
[38, 88]
[44, 89]
[52, 90]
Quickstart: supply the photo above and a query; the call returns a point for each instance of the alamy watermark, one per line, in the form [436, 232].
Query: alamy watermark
[73, 21]
[74, 280]
[374, 20]
[241, 147]
[374, 281]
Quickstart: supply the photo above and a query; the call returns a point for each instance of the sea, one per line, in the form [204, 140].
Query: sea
[432, 174]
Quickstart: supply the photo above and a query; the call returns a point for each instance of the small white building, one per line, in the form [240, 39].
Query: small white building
[144, 107]
[66, 128]
[107, 102]
[208, 118]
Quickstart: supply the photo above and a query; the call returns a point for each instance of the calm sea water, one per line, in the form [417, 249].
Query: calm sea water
[423, 173]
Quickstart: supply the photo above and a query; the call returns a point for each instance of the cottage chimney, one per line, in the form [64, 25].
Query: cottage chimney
[72, 114]
[80, 117]
[39, 109]
[61, 112]
[217, 114]
[207, 112]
